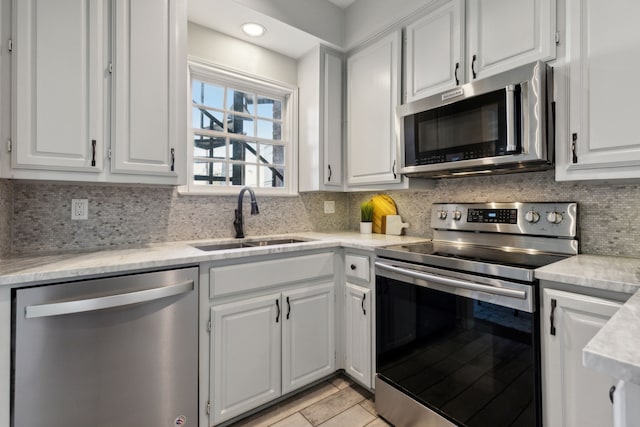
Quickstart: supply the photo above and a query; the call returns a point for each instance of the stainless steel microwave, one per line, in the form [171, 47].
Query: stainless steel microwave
[500, 124]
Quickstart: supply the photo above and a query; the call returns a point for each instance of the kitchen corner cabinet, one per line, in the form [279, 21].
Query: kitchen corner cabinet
[320, 103]
[574, 396]
[358, 318]
[434, 51]
[601, 138]
[373, 92]
[358, 333]
[85, 91]
[272, 330]
[502, 34]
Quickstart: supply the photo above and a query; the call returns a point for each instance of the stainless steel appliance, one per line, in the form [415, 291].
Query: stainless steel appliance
[107, 352]
[500, 124]
[457, 319]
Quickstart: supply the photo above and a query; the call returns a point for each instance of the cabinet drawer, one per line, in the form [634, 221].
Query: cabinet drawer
[357, 267]
[251, 276]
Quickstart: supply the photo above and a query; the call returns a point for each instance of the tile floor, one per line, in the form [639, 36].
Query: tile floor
[337, 402]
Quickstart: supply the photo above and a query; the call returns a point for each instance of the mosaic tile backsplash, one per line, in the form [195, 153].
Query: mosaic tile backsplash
[36, 217]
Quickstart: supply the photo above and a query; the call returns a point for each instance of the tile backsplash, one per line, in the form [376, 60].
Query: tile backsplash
[36, 217]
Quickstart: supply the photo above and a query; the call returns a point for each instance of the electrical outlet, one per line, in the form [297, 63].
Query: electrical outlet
[329, 206]
[79, 208]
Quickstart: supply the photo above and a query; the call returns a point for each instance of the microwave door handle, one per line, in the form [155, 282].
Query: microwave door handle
[511, 119]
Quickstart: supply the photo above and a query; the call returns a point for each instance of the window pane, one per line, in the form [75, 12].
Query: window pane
[207, 94]
[209, 146]
[240, 125]
[244, 151]
[271, 177]
[269, 108]
[243, 175]
[240, 101]
[269, 130]
[273, 154]
[206, 173]
[202, 118]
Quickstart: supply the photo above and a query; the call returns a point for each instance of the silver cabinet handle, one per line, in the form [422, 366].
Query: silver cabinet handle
[454, 283]
[92, 304]
[511, 111]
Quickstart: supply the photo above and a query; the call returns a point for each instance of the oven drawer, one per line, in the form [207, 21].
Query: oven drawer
[357, 267]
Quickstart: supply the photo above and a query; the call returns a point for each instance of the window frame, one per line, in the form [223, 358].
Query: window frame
[205, 71]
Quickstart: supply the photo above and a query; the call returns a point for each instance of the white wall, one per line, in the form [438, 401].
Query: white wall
[240, 55]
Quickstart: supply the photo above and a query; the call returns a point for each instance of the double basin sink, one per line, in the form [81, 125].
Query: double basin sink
[247, 244]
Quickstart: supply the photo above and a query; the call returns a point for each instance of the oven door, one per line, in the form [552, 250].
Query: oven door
[464, 347]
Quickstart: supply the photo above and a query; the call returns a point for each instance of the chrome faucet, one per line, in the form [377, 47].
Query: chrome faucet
[238, 222]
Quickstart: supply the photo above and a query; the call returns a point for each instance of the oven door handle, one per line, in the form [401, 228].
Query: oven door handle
[454, 283]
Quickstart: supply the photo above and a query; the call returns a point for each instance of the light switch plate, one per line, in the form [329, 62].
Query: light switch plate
[329, 206]
[79, 209]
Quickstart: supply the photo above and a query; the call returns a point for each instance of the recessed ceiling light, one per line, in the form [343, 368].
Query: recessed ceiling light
[253, 30]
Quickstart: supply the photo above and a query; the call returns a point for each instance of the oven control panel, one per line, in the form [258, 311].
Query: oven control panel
[493, 216]
[542, 219]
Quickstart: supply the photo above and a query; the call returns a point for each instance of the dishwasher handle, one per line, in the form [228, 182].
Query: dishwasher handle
[118, 300]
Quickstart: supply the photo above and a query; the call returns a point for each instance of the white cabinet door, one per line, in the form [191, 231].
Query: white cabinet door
[149, 86]
[332, 118]
[434, 51]
[503, 34]
[58, 84]
[574, 396]
[246, 345]
[358, 333]
[602, 139]
[372, 96]
[320, 117]
[308, 348]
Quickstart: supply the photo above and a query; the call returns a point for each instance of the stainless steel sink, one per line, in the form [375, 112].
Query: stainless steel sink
[246, 244]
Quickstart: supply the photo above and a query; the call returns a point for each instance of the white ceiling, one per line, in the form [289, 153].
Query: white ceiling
[226, 16]
[342, 3]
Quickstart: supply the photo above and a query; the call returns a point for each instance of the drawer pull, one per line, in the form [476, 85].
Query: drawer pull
[364, 296]
[353, 266]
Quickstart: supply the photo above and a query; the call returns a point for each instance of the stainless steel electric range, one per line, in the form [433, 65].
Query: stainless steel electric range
[457, 319]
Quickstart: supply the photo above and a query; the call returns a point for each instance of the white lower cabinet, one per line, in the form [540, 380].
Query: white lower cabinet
[573, 396]
[245, 351]
[268, 346]
[308, 349]
[358, 333]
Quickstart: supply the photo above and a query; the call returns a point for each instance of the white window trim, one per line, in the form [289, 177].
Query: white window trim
[202, 69]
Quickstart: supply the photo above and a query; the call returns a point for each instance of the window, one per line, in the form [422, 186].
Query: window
[241, 131]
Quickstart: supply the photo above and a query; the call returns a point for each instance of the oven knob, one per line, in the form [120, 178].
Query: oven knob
[442, 214]
[532, 217]
[457, 215]
[554, 217]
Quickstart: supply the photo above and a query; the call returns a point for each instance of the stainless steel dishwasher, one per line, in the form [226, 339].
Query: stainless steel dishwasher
[107, 352]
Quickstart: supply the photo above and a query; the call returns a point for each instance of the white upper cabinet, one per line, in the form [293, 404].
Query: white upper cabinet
[85, 91]
[435, 51]
[373, 92]
[601, 139]
[149, 81]
[58, 85]
[502, 34]
[320, 128]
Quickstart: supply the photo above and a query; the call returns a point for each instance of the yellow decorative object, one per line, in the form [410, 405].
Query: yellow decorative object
[383, 205]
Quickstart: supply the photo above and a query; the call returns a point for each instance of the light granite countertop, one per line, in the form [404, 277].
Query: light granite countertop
[20, 270]
[615, 349]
